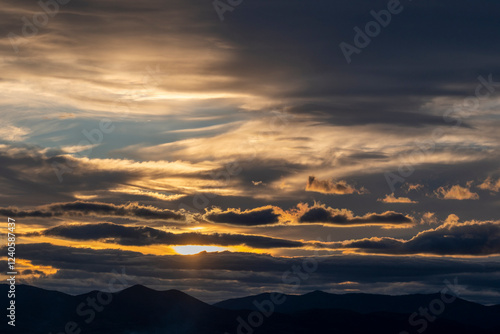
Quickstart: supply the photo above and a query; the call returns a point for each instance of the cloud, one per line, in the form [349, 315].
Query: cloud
[415, 187]
[324, 215]
[391, 199]
[260, 216]
[452, 238]
[31, 173]
[490, 184]
[12, 133]
[359, 97]
[225, 275]
[456, 192]
[429, 218]
[153, 194]
[33, 272]
[95, 260]
[80, 208]
[332, 187]
[142, 236]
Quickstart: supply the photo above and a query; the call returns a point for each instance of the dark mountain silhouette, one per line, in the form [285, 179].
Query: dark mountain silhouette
[140, 310]
[459, 310]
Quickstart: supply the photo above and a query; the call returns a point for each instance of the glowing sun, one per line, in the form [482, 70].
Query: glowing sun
[195, 249]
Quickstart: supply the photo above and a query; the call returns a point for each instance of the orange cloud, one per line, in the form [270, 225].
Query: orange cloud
[489, 184]
[456, 192]
[415, 187]
[429, 218]
[452, 219]
[392, 199]
[332, 187]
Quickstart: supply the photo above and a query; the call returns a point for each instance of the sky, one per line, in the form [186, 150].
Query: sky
[232, 148]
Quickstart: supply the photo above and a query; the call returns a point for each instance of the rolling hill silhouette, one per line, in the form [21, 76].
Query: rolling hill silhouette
[141, 310]
[459, 310]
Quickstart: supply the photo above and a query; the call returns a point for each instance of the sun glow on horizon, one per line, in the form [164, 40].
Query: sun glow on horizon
[195, 249]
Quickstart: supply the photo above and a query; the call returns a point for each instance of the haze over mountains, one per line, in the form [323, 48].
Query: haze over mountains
[141, 310]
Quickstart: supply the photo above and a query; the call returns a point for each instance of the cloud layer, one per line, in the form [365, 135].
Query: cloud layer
[321, 214]
[255, 217]
[456, 192]
[331, 187]
[143, 236]
[470, 238]
[80, 208]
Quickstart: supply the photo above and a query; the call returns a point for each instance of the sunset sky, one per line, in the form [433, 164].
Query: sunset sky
[137, 134]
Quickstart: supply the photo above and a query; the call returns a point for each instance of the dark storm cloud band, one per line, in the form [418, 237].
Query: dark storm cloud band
[142, 236]
[255, 217]
[345, 218]
[79, 208]
[369, 269]
[472, 239]
[318, 214]
[263, 216]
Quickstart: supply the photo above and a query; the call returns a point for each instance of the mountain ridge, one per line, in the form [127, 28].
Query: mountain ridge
[142, 310]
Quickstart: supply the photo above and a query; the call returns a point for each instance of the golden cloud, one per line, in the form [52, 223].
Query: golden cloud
[456, 192]
[332, 187]
[489, 184]
[392, 199]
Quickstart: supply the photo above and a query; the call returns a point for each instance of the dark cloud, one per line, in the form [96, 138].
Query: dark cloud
[267, 170]
[343, 115]
[29, 174]
[142, 236]
[79, 208]
[388, 82]
[420, 55]
[452, 238]
[254, 217]
[225, 274]
[33, 272]
[100, 260]
[321, 214]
